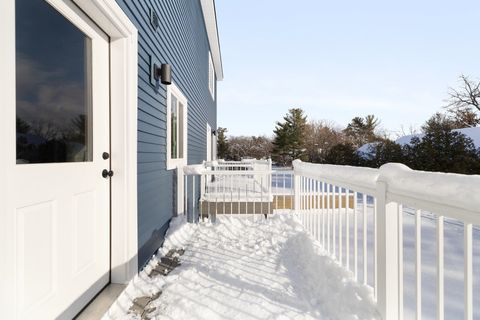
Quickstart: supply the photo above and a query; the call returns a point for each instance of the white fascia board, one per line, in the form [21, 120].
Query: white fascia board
[210, 17]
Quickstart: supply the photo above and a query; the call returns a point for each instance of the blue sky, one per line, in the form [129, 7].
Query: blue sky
[340, 59]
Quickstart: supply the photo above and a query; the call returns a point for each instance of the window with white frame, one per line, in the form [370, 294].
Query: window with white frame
[211, 75]
[176, 127]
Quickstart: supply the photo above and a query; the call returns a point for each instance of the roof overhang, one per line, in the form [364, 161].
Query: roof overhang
[210, 17]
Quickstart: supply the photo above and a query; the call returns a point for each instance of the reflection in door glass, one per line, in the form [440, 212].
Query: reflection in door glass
[53, 82]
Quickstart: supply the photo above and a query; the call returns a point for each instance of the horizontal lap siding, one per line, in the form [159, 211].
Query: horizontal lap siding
[181, 41]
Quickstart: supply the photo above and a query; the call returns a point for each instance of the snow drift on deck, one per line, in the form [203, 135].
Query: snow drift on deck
[244, 269]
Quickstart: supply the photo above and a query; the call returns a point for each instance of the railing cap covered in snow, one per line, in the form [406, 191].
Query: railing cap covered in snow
[454, 190]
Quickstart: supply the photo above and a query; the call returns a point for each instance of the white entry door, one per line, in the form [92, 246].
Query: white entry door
[59, 201]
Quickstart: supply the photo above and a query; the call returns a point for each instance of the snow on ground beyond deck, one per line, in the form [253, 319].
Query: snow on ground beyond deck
[241, 269]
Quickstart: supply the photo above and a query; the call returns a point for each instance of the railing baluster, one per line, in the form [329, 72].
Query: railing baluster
[468, 281]
[328, 218]
[209, 200]
[276, 189]
[355, 237]
[317, 216]
[246, 199]
[334, 222]
[194, 199]
[216, 200]
[365, 234]
[312, 208]
[261, 196]
[400, 260]
[323, 214]
[185, 195]
[375, 252]
[418, 264]
[440, 269]
[347, 229]
[340, 226]
[224, 179]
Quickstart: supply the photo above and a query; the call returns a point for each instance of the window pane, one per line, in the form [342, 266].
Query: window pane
[53, 81]
[180, 130]
[173, 127]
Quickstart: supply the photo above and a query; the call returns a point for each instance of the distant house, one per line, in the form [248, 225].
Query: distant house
[92, 134]
[472, 133]
[367, 150]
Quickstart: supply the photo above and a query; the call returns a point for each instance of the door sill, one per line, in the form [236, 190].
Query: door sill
[102, 302]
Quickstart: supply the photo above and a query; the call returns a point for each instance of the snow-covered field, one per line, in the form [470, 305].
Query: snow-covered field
[246, 268]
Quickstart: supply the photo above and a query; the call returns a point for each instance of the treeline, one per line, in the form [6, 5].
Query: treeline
[362, 142]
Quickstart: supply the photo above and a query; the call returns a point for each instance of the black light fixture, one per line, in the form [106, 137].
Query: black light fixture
[163, 73]
[214, 132]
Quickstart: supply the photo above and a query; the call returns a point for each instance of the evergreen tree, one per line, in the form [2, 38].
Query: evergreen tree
[444, 150]
[343, 154]
[222, 143]
[289, 140]
[384, 152]
[362, 130]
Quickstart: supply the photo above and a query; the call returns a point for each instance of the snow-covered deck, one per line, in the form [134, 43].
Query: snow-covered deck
[245, 267]
[388, 252]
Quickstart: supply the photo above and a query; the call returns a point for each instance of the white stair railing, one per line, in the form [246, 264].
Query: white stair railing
[243, 187]
[330, 200]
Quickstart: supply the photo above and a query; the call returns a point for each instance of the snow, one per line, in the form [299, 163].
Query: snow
[246, 267]
[367, 151]
[445, 189]
[356, 178]
[196, 169]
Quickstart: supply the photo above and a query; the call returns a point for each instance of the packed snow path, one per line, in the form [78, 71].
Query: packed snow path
[238, 268]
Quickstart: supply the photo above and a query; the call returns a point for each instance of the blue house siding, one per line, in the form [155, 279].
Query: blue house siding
[180, 40]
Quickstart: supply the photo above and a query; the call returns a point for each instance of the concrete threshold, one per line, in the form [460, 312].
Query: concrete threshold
[98, 306]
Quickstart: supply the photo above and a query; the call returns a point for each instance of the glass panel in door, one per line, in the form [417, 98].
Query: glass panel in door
[53, 80]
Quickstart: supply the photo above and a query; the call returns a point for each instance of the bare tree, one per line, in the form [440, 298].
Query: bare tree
[464, 102]
[249, 147]
[320, 137]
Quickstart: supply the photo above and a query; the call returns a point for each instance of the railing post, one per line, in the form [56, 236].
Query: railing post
[296, 191]
[387, 254]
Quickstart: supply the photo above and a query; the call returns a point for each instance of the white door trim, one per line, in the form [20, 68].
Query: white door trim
[123, 81]
[123, 57]
[7, 159]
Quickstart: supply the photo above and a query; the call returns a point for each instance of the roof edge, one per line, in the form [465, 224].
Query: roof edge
[210, 17]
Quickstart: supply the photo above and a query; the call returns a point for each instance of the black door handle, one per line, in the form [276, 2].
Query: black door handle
[105, 156]
[107, 173]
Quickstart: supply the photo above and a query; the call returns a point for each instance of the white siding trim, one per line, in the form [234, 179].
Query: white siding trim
[175, 163]
[211, 76]
[210, 17]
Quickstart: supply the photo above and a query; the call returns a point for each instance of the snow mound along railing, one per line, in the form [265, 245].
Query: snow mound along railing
[219, 187]
[329, 200]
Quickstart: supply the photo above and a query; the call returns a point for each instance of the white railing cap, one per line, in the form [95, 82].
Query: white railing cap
[195, 169]
[344, 175]
[457, 190]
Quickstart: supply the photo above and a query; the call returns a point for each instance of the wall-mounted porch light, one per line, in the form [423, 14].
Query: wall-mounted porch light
[160, 72]
[163, 73]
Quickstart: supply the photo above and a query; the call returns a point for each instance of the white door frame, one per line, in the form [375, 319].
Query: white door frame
[123, 81]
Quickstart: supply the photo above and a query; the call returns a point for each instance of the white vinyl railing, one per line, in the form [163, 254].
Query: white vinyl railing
[333, 202]
[242, 187]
